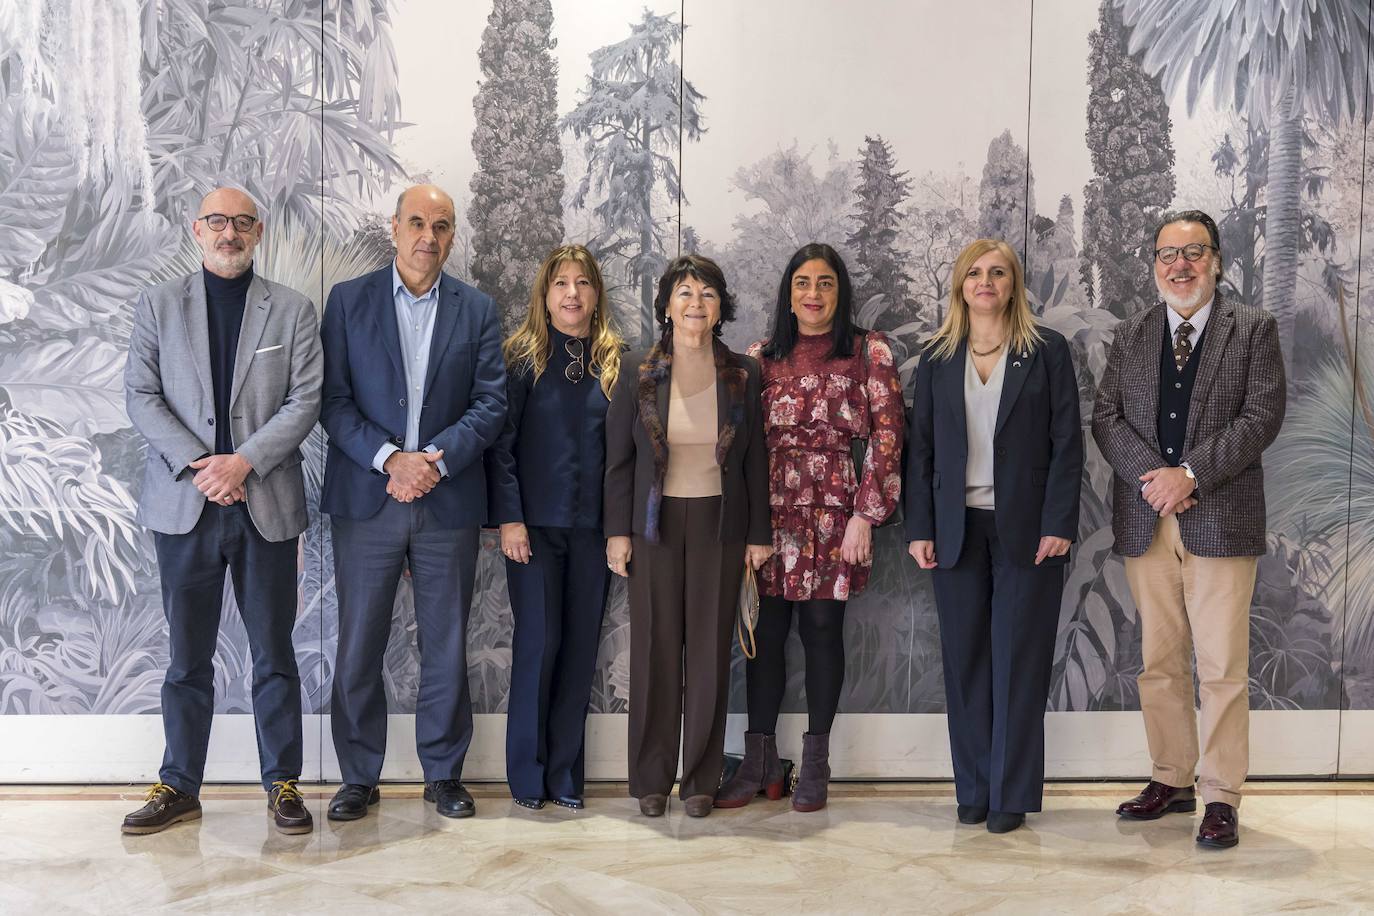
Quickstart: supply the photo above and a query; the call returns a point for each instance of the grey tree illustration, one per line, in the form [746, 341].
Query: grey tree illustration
[1007, 186]
[516, 210]
[879, 266]
[796, 203]
[1276, 62]
[635, 113]
[225, 91]
[1129, 139]
[935, 228]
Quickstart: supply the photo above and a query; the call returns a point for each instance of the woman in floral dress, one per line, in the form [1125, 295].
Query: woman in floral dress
[826, 383]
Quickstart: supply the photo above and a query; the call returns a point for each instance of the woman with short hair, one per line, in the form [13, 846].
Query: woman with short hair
[686, 507]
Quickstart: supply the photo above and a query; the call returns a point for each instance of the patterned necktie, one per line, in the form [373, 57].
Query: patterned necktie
[1183, 347]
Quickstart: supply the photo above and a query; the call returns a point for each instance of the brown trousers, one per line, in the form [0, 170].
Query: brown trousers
[1191, 605]
[683, 597]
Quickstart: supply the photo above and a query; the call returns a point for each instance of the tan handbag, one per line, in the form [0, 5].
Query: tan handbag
[748, 612]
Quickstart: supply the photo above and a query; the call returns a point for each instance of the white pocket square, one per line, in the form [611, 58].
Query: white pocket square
[267, 349]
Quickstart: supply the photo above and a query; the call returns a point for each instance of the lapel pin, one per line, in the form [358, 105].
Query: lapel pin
[1016, 365]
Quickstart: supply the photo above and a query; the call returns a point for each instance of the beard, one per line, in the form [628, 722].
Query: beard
[230, 261]
[1187, 301]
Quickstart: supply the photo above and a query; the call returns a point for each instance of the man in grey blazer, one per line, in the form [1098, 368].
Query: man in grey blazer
[1192, 395]
[223, 381]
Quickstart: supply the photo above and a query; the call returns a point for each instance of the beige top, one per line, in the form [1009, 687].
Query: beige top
[981, 401]
[692, 434]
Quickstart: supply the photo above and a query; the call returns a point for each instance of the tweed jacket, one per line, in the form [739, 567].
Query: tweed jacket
[275, 401]
[637, 447]
[1235, 412]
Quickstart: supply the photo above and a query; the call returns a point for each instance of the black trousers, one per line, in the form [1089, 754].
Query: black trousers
[369, 556]
[557, 600]
[997, 628]
[683, 598]
[192, 568]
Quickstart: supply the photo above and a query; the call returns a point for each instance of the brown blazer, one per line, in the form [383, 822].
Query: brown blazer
[637, 447]
[1235, 412]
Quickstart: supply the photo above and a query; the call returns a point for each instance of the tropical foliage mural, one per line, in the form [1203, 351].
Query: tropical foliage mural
[1252, 110]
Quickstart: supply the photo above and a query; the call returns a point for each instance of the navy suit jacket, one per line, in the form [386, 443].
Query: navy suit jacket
[1037, 453]
[364, 398]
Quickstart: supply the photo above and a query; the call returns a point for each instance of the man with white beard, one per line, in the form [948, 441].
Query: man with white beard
[223, 381]
[1192, 394]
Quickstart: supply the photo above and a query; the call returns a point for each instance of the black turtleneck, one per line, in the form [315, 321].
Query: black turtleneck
[224, 303]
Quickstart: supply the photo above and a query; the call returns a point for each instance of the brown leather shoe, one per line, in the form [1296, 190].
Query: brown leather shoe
[653, 805]
[1220, 827]
[288, 809]
[698, 805]
[1156, 801]
[165, 806]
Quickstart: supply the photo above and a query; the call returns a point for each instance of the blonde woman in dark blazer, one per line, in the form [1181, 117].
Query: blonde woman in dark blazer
[994, 462]
[686, 495]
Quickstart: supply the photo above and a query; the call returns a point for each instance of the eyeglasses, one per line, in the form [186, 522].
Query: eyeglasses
[1191, 252]
[577, 369]
[217, 221]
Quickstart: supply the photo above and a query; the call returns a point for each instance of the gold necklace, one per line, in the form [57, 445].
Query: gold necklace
[989, 352]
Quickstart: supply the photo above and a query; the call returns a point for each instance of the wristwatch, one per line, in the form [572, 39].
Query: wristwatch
[1188, 469]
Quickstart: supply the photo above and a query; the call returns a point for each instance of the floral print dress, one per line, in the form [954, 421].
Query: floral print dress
[813, 408]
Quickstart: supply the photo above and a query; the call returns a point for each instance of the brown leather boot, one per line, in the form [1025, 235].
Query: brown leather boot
[813, 782]
[759, 774]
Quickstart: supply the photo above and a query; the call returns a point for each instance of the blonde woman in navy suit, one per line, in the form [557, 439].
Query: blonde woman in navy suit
[995, 457]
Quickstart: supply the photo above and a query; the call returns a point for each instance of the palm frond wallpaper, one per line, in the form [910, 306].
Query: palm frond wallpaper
[735, 130]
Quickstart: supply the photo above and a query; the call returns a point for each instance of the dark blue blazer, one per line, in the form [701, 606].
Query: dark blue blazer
[1037, 453]
[364, 398]
[546, 467]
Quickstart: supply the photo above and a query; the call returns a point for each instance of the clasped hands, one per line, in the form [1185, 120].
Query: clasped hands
[1168, 490]
[220, 477]
[411, 475]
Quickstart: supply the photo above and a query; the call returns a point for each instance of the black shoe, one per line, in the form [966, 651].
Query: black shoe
[570, 801]
[165, 806]
[288, 809]
[1004, 821]
[973, 814]
[450, 798]
[534, 804]
[352, 801]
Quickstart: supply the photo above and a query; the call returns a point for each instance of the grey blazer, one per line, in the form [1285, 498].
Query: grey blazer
[1235, 412]
[274, 402]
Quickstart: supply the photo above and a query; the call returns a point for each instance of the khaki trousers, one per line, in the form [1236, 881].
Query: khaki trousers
[1191, 605]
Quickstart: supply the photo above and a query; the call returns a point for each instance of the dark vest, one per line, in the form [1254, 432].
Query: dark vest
[1175, 392]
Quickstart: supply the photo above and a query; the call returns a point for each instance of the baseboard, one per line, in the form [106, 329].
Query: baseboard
[1105, 745]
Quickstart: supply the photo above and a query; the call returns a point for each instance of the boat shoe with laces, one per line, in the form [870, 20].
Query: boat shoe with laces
[164, 806]
[288, 809]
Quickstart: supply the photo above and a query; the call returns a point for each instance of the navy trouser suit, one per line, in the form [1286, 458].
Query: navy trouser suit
[545, 471]
[998, 609]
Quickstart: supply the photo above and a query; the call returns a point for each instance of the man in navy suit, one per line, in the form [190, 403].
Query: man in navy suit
[414, 392]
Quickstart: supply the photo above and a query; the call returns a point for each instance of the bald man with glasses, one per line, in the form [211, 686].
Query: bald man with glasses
[223, 381]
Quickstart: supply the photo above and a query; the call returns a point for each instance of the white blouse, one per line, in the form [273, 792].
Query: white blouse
[981, 401]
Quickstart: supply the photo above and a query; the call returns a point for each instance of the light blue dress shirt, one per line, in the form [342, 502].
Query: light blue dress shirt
[415, 321]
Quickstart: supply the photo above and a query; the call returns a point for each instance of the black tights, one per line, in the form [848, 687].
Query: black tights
[821, 622]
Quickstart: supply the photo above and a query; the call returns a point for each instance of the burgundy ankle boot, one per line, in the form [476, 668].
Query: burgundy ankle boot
[759, 774]
[813, 782]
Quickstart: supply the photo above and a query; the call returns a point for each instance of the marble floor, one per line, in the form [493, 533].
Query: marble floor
[884, 847]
